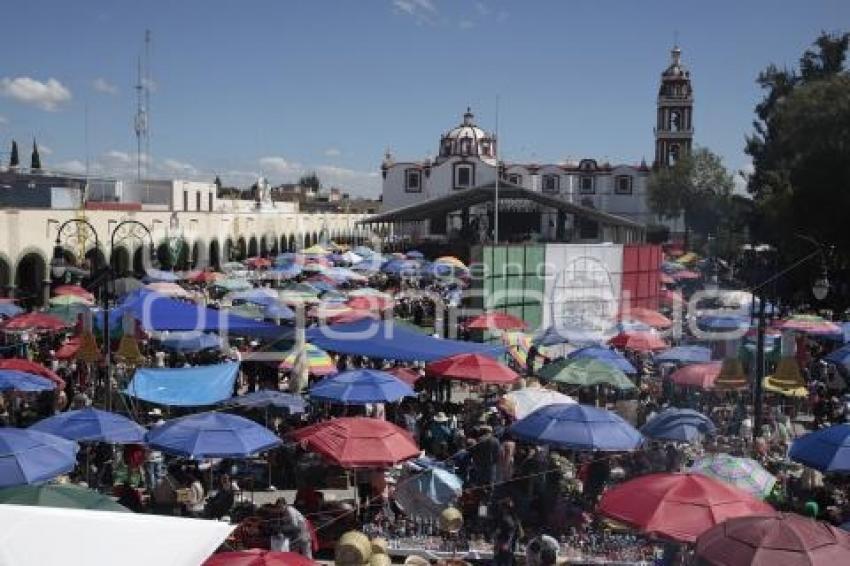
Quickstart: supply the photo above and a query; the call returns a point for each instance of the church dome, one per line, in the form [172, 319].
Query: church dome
[468, 140]
[676, 70]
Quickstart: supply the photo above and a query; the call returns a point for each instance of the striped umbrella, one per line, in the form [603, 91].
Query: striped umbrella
[743, 473]
[318, 361]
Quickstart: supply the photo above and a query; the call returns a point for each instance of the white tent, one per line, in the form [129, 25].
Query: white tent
[36, 536]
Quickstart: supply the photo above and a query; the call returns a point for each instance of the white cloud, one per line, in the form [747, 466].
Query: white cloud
[279, 165]
[332, 152]
[481, 8]
[176, 167]
[102, 85]
[3, 120]
[120, 157]
[47, 95]
[741, 178]
[44, 150]
[366, 183]
[422, 10]
[74, 166]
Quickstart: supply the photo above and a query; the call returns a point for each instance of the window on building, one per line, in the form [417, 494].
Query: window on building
[464, 176]
[198, 200]
[412, 181]
[185, 200]
[515, 179]
[586, 186]
[550, 183]
[210, 207]
[485, 147]
[465, 146]
[623, 185]
[446, 150]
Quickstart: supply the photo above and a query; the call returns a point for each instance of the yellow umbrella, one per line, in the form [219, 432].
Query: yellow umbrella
[316, 250]
[450, 260]
[689, 257]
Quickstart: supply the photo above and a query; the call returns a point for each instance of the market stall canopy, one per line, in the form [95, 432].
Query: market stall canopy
[29, 456]
[428, 493]
[825, 450]
[184, 387]
[318, 361]
[678, 425]
[92, 425]
[702, 375]
[387, 340]
[567, 334]
[64, 495]
[361, 387]
[679, 507]
[265, 398]
[638, 341]
[577, 427]
[685, 355]
[585, 372]
[358, 442]
[73, 290]
[522, 402]
[15, 380]
[744, 473]
[25, 365]
[647, 316]
[474, 368]
[190, 341]
[782, 539]
[34, 321]
[78, 537]
[604, 355]
[158, 313]
[212, 435]
[496, 321]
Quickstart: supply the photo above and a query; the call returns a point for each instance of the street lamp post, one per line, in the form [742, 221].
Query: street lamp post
[80, 230]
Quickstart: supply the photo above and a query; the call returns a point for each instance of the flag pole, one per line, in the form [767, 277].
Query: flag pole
[498, 174]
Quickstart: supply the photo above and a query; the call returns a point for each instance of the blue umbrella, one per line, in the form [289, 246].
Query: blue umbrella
[678, 425]
[685, 355]
[92, 425]
[265, 398]
[191, 341]
[414, 254]
[323, 286]
[629, 326]
[278, 310]
[563, 334]
[361, 386]
[212, 435]
[14, 380]
[288, 270]
[839, 357]
[30, 456]
[722, 323]
[577, 427]
[826, 450]
[255, 296]
[10, 309]
[401, 267]
[604, 355]
[428, 493]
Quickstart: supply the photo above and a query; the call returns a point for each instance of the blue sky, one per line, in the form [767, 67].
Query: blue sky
[279, 87]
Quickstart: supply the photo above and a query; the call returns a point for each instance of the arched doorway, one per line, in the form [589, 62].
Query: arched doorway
[30, 276]
[229, 251]
[241, 249]
[5, 276]
[199, 256]
[95, 261]
[253, 248]
[264, 246]
[274, 249]
[120, 261]
[214, 258]
[142, 260]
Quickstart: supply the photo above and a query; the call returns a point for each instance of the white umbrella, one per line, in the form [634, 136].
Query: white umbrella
[164, 540]
[522, 402]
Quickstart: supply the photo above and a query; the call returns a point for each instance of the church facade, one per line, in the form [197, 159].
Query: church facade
[467, 158]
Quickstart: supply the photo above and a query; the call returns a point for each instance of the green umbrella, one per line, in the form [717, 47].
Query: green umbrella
[64, 495]
[69, 313]
[585, 372]
[67, 300]
[305, 288]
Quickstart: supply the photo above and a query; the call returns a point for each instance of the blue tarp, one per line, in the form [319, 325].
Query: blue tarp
[184, 387]
[383, 339]
[158, 313]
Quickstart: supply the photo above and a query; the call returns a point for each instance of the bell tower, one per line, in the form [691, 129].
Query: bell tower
[674, 130]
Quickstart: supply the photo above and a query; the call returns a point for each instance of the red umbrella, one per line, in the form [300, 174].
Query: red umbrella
[370, 303]
[647, 316]
[407, 375]
[258, 262]
[75, 290]
[258, 557]
[358, 442]
[496, 321]
[69, 349]
[206, 277]
[34, 321]
[638, 340]
[32, 367]
[351, 315]
[700, 375]
[678, 506]
[778, 540]
[472, 367]
[666, 279]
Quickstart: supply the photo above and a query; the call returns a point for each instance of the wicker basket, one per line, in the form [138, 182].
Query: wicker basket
[353, 549]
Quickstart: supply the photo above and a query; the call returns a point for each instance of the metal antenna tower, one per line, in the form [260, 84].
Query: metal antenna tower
[141, 124]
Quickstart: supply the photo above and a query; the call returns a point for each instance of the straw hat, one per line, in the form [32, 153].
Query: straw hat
[440, 417]
[414, 560]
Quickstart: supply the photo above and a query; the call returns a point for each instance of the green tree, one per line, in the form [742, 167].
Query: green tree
[695, 189]
[801, 154]
[35, 161]
[14, 161]
[310, 181]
